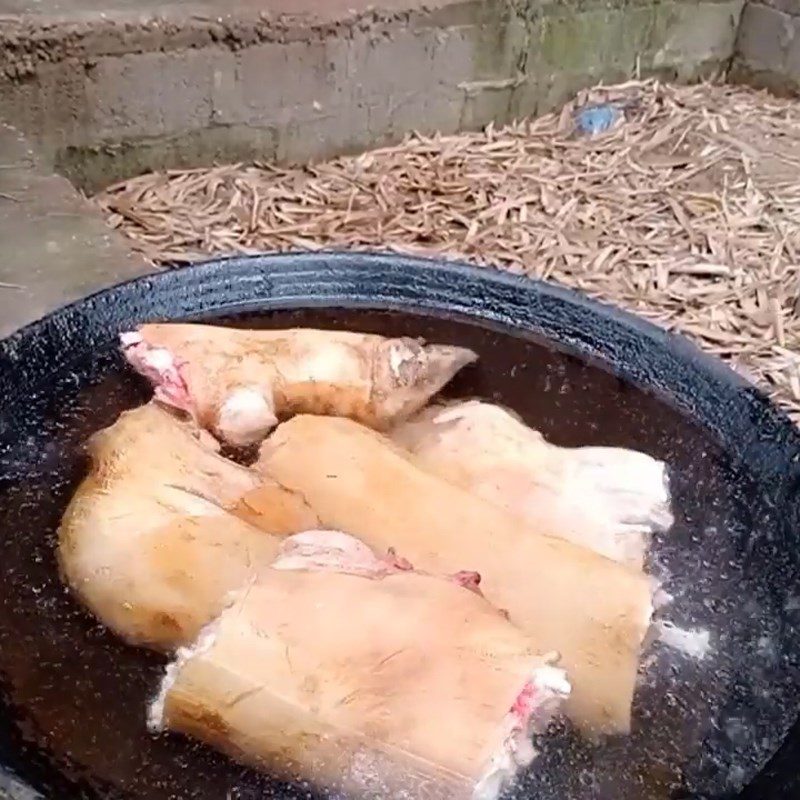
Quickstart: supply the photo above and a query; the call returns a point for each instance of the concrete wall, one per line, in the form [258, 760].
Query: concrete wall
[112, 93]
[768, 46]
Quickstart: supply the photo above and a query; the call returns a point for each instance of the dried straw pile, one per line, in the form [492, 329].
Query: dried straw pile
[687, 212]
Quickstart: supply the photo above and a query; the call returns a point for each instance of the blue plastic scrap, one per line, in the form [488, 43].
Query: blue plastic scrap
[597, 118]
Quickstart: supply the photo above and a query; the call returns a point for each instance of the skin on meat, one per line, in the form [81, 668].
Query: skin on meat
[593, 611]
[608, 499]
[239, 383]
[340, 668]
[162, 528]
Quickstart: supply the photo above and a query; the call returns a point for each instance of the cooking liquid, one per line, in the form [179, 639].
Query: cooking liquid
[79, 695]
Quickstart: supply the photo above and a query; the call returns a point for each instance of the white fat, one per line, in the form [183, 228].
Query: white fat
[328, 550]
[160, 359]
[246, 416]
[323, 538]
[661, 598]
[203, 643]
[501, 772]
[320, 545]
[452, 413]
[552, 680]
[648, 623]
[130, 338]
[476, 413]
[517, 750]
[399, 354]
[633, 486]
[184, 501]
[689, 641]
[245, 400]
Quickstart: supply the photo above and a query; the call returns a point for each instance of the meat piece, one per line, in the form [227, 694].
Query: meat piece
[606, 498]
[239, 383]
[149, 543]
[592, 610]
[338, 668]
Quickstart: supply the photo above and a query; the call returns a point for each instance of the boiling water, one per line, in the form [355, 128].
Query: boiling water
[79, 695]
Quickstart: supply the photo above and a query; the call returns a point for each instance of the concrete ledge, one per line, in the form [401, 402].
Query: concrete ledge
[768, 46]
[54, 246]
[789, 6]
[110, 89]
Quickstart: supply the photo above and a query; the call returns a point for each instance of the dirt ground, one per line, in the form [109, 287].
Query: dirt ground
[687, 211]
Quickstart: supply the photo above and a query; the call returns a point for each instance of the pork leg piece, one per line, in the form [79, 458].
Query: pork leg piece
[592, 610]
[344, 670]
[608, 499]
[149, 543]
[239, 383]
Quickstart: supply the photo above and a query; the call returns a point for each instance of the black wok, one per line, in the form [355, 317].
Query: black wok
[73, 697]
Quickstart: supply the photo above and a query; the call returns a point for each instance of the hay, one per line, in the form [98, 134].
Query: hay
[687, 212]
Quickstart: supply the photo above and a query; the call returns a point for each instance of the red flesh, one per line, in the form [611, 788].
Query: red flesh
[170, 386]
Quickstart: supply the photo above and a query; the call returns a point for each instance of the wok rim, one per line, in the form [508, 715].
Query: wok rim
[363, 259]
